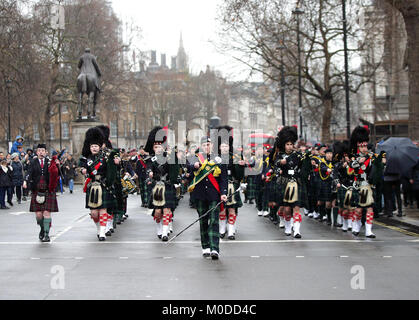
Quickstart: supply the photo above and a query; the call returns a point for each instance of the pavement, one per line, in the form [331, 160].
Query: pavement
[261, 264]
[409, 221]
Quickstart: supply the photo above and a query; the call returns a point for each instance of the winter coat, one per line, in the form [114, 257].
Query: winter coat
[6, 179]
[69, 173]
[17, 174]
[415, 177]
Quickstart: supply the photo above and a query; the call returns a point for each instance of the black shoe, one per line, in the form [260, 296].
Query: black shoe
[222, 235]
[24, 199]
[231, 238]
[102, 238]
[400, 214]
[372, 236]
[41, 234]
[4, 207]
[19, 201]
[109, 233]
[214, 255]
[165, 238]
[71, 191]
[11, 203]
[46, 238]
[159, 236]
[355, 233]
[251, 202]
[288, 234]
[298, 236]
[112, 230]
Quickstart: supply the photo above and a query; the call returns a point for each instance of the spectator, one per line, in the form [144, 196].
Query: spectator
[17, 176]
[21, 152]
[415, 183]
[1, 155]
[18, 142]
[69, 167]
[392, 184]
[30, 153]
[6, 184]
[26, 162]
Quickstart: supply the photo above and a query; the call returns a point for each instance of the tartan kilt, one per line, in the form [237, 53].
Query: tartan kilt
[252, 188]
[341, 198]
[169, 196]
[313, 189]
[325, 191]
[276, 193]
[302, 196]
[236, 197]
[49, 205]
[108, 200]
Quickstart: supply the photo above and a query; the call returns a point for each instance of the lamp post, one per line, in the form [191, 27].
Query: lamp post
[135, 130]
[298, 11]
[345, 49]
[334, 127]
[282, 47]
[9, 135]
[59, 120]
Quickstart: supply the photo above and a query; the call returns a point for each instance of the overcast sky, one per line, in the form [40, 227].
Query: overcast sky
[162, 21]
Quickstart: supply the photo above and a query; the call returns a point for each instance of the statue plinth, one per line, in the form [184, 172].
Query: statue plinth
[88, 119]
[78, 131]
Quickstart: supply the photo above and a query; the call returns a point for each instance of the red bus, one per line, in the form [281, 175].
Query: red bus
[260, 138]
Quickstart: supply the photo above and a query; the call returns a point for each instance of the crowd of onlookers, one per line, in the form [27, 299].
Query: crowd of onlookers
[14, 171]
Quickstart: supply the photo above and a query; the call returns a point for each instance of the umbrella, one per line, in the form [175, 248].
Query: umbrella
[402, 154]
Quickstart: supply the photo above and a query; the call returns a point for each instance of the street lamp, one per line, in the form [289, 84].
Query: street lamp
[282, 47]
[334, 125]
[135, 131]
[59, 120]
[9, 135]
[345, 46]
[298, 11]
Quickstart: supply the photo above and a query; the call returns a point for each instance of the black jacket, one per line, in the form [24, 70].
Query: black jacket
[17, 174]
[35, 172]
[6, 179]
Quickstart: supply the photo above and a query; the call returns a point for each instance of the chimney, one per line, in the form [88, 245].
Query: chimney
[173, 63]
[163, 60]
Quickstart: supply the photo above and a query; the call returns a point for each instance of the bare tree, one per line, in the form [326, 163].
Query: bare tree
[253, 31]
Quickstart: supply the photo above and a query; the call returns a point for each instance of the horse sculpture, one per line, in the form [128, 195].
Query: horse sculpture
[88, 83]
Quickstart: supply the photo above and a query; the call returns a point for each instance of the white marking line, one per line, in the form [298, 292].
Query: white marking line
[18, 213]
[78, 258]
[254, 256]
[123, 258]
[35, 258]
[299, 256]
[343, 256]
[387, 256]
[187, 242]
[165, 258]
[59, 234]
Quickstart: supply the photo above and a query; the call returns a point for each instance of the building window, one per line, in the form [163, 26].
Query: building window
[51, 131]
[113, 129]
[65, 130]
[35, 132]
[64, 109]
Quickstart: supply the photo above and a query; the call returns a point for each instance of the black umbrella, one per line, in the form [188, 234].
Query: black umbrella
[402, 154]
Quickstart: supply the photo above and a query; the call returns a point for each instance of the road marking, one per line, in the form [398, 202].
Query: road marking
[343, 257]
[123, 258]
[409, 233]
[299, 256]
[78, 258]
[193, 242]
[33, 258]
[254, 256]
[167, 258]
[386, 256]
[18, 213]
[59, 234]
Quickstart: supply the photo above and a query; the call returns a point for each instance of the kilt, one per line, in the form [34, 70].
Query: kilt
[236, 197]
[108, 200]
[325, 191]
[169, 196]
[341, 198]
[50, 203]
[276, 193]
[252, 188]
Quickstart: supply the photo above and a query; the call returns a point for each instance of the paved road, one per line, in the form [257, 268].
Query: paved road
[262, 263]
